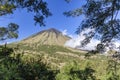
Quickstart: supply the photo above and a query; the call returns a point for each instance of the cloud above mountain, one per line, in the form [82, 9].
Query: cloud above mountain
[76, 40]
[64, 32]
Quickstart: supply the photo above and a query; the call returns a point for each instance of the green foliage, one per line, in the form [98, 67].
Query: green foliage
[39, 7]
[5, 51]
[46, 48]
[96, 68]
[102, 17]
[6, 8]
[34, 67]
[9, 32]
[112, 70]
[72, 71]
[35, 70]
[9, 70]
[74, 13]
[14, 68]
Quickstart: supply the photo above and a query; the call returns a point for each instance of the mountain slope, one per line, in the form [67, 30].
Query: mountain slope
[49, 37]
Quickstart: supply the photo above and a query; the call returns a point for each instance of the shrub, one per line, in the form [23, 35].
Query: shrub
[72, 71]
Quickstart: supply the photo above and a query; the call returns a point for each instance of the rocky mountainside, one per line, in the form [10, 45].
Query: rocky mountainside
[47, 37]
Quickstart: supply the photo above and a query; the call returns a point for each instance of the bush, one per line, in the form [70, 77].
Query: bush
[14, 68]
[72, 71]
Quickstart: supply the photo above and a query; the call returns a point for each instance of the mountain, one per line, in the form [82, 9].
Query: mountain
[47, 37]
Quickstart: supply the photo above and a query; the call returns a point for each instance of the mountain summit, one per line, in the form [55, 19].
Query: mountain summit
[50, 37]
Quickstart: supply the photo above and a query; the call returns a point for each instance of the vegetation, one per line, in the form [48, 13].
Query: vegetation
[9, 32]
[72, 72]
[35, 66]
[112, 70]
[39, 7]
[52, 49]
[14, 68]
[101, 16]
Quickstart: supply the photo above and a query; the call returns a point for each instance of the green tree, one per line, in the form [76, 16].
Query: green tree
[14, 68]
[102, 17]
[72, 71]
[112, 69]
[38, 7]
[9, 32]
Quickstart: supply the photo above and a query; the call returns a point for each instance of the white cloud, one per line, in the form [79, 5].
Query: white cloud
[64, 32]
[76, 41]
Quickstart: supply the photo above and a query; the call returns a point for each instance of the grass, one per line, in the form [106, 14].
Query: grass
[52, 49]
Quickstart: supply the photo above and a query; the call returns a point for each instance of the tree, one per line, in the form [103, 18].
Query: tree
[72, 71]
[38, 7]
[13, 67]
[9, 32]
[112, 69]
[101, 17]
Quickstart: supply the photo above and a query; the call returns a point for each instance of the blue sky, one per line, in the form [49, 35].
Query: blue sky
[57, 20]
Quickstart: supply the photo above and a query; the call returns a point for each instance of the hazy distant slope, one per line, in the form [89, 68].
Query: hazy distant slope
[49, 37]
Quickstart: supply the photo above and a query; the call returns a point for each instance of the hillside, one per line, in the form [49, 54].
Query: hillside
[49, 43]
[48, 37]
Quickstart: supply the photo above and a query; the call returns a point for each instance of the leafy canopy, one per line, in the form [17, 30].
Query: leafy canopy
[102, 17]
[9, 32]
[38, 7]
